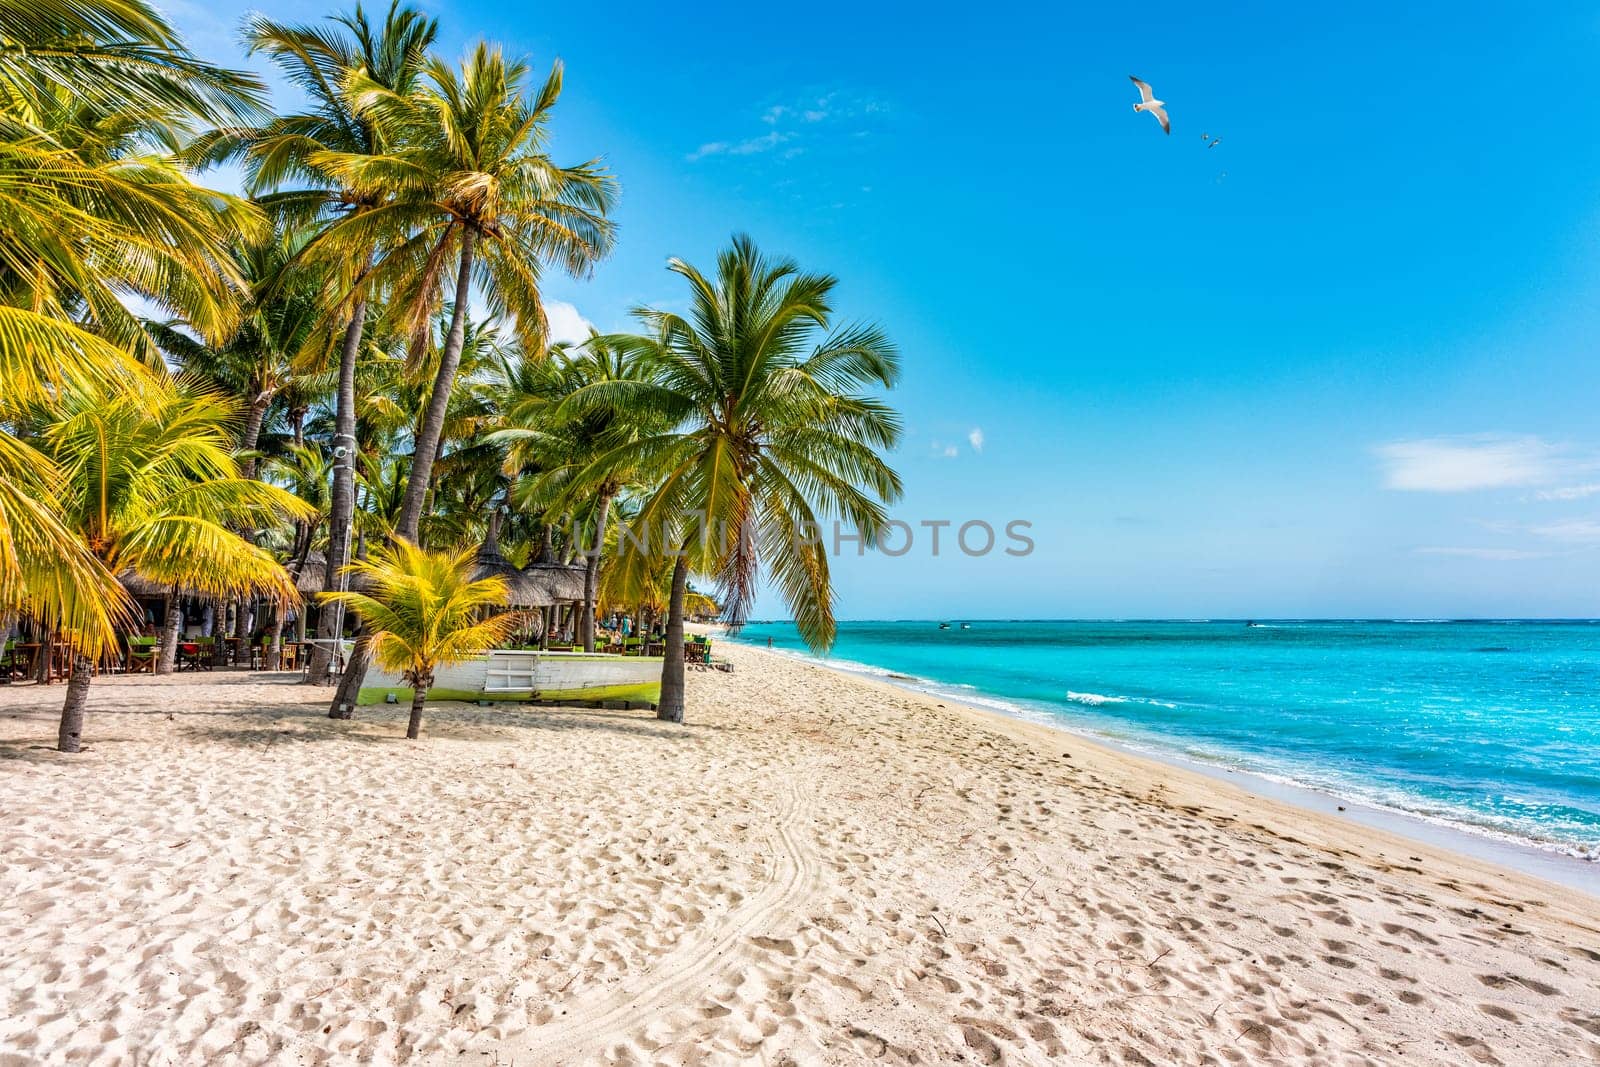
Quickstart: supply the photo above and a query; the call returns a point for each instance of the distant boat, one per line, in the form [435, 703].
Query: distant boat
[944, 626]
[966, 626]
[1252, 624]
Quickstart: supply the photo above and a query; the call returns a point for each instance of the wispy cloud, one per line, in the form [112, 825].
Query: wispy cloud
[975, 438]
[748, 147]
[1482, 461]
[793, 126]
[942, 450]
[1569, 531]
[1498, 554]
[1570, 492]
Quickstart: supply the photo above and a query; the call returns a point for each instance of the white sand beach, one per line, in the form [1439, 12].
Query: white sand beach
[815, 870]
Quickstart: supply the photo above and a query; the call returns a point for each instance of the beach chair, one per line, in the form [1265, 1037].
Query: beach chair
[141, 658]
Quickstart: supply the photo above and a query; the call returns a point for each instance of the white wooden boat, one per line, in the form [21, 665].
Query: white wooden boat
[516, 675]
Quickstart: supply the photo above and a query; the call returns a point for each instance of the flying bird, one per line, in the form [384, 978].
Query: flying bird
[1211, 142]
[1148, 102]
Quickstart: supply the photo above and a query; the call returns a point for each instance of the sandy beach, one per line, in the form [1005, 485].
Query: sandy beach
[816, 869]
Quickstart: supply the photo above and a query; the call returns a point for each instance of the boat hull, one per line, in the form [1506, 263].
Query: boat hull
[566, 677]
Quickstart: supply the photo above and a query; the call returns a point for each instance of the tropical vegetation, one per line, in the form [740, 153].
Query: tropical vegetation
[343, 371]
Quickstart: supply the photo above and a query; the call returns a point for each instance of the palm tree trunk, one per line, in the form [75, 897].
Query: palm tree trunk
[70, 737]
[341, 513]
[422, 455]
[252, 432]
[247, 469]
[428, 434]
[242, 622]
[171, 625]
[671, 707]
[44, 657]
[418, 696]
[591, 571]
[355, 673]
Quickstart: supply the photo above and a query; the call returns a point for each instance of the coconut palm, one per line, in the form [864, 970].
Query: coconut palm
[478, 195]
[426, 610]
[284, 161]
[277, 338]
[46, 570]
[773, 431]
[475, 195]
[553, 442]
[94, 206]
[150, 484]
[114, 53]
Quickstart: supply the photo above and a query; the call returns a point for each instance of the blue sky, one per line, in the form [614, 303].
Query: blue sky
[1343, 363]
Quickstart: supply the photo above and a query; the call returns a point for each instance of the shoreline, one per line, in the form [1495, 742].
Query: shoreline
[1525, 857]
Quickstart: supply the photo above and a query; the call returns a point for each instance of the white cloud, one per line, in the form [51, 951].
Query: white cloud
[1482, 553]
[1570, 531]
[786, 123]
[975, 438]
[567, 324]
[1482, 461]
[1570, 492]
[765, 143]
[941, 450]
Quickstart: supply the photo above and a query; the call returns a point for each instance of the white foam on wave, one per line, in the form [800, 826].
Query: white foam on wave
[1094, 700]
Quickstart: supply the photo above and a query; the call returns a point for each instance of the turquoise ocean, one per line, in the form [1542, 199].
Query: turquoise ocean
[1492, 727]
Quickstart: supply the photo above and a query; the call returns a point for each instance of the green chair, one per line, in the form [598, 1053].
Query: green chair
[141, 655]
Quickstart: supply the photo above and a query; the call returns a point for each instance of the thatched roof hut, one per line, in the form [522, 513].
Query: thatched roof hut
[141, 588]
[538, 585]
[313, 574]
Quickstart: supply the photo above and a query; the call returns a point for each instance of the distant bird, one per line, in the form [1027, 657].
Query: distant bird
[1151, 104]
[1211, 142]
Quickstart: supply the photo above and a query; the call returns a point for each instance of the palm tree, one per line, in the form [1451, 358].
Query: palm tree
[476, 189]
[286, 159]
[94, 206]
[553, 442]
[425, 611]
[46, 571]
[150, 485]
[772, 432]
[277, 338]
[476, 192]
[116, 53]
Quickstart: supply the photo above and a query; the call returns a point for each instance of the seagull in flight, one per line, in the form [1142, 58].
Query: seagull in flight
[1211, 142]
[1148, 102]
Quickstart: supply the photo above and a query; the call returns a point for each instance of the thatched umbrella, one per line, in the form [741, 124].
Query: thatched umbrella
[141, 588]
[312, 577]
[538, 585]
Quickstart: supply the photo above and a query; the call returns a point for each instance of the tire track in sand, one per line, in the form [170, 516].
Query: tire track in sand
[683, 974]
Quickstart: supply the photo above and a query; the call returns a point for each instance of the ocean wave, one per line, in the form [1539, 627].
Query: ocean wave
[1094, 700]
